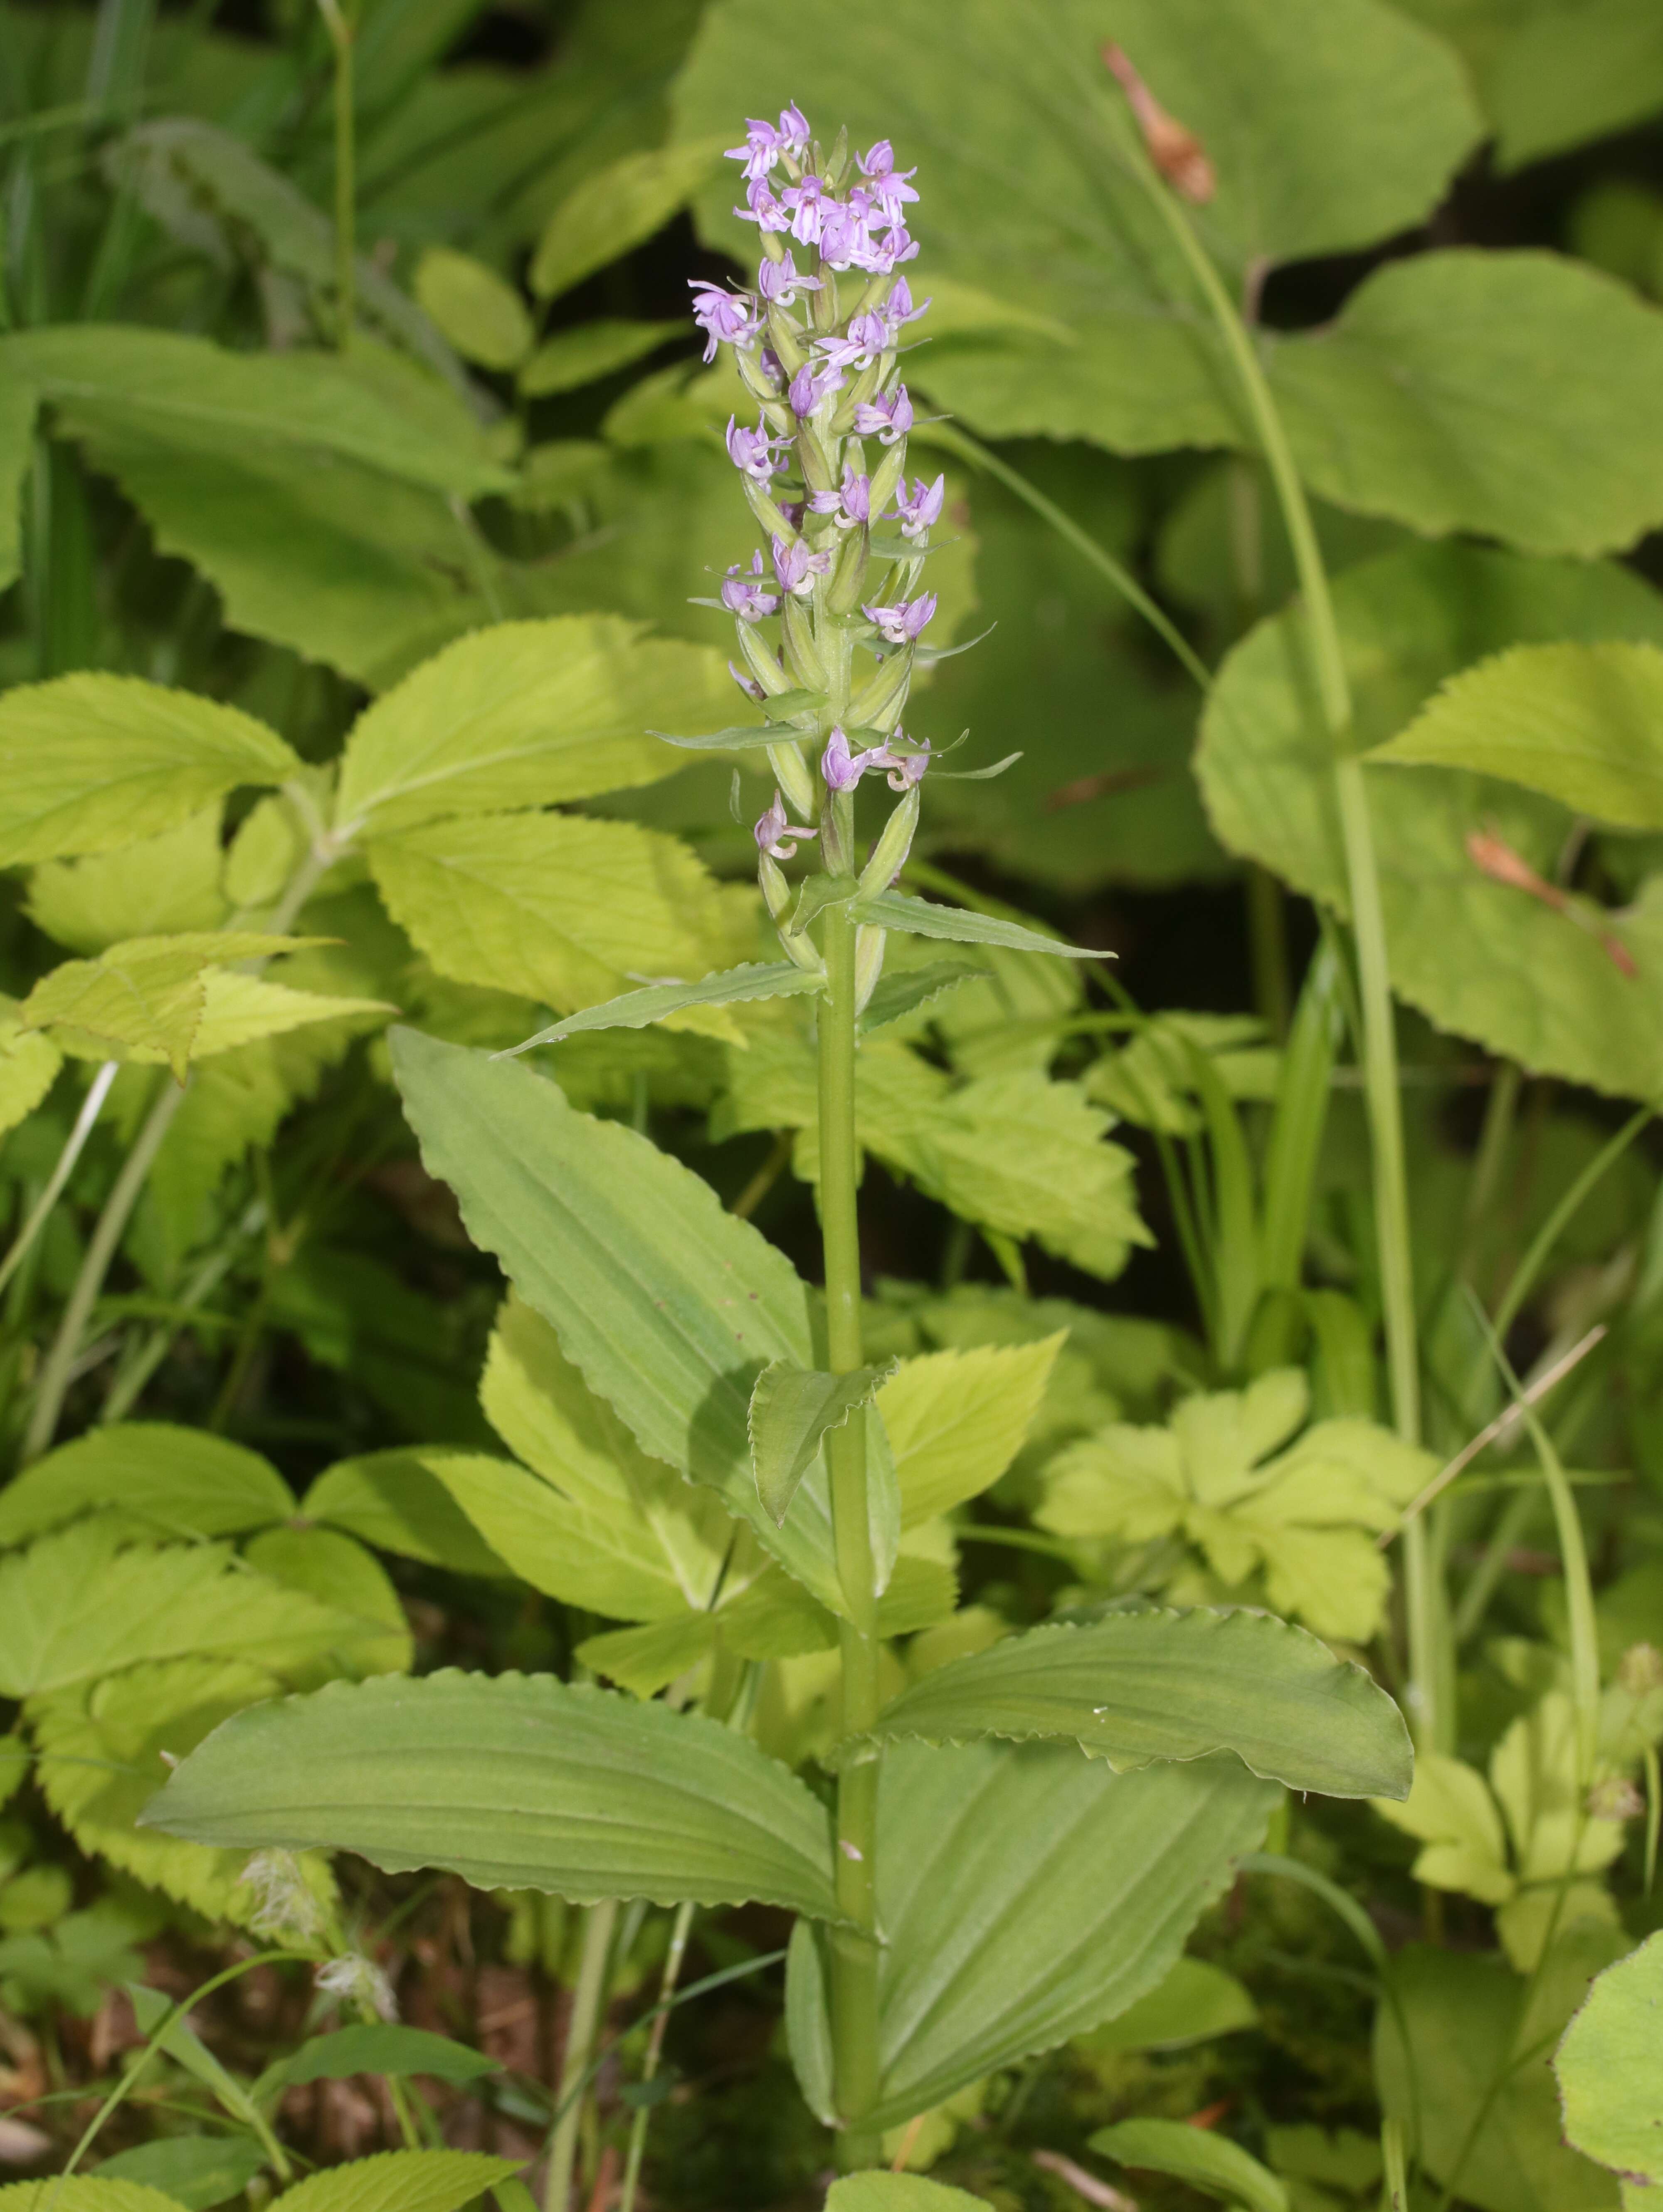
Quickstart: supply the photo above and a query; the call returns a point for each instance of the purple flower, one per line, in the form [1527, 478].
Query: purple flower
[805, 200]
[774, 834]
[843, 769]
[730, 316]
[748, 684]
[888, 187]
[852, 503]
[760, 150]
[921, 509]
[796, 567]
[869, 334]
[898, 245]
[779, 282]
[902, 623]
[908, 769]
[807, 389]
[900, 308]
[753, 452]
[889, 417]
[846, 238]
[748, 596]
[761, 207]
[794, 133]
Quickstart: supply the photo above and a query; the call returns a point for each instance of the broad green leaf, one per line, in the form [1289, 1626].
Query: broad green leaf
[522, 715]
[74, 1607]
[897, 2192]
[638, 1526]
[185, 1482]
[668, 1305]
[956, 1419]
[396, 1501]
[1565, 74]
[1414, 404]
[1473, 2024]
[1606, 2065]
[483, 317]
[1195, 2002]
[1330, 124]
[615, 208]
[554, 907]
[575, 357]
[145, 999]
[161, 884]
[91, 761]
[1028, 1894]
[1211, 2163]
[28, 1067]
[240, 1009]
[194, 2172]
[164, 386]
[919, 918]
[645, 1659]
[793, 1411]
[1582, 723]
[376, 2047]
[401, 2181]
[1531, 983]
[1452, 1812]
[100, 1759]
[514, 1783]
[84, 2192]
[635, 1010]
[1141, 1686]
[337, 1570]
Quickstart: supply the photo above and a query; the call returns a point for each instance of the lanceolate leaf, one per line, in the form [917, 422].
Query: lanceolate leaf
[615, 208]
[635, 1010]
[1211, 2163]
[1026, 1895]
[792, 1410]
[521, 714]
[91, 761]
[668, 1305]
[919, 918]
[376, 2047]
[1141, 1686]
[516, 1782]
[1583, 723]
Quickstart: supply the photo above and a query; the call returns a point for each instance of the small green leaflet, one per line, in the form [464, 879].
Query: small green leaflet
[792, 1410]
[906, 989]
[919, 918]
[1606, 2065]
[1211, 2163]
[401, 2181]
[375, 2047]
[899, 2192]
[195, 2172]
[635, 1010]
[1137, 1687]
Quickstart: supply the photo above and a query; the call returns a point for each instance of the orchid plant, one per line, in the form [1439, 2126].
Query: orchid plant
[999, 1849]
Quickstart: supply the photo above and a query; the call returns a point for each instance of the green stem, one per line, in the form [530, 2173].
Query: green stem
[854, 1948]
[587, 2000]
[1379, 1038]
[340, 29]
[672, 1969]
[74, 1145]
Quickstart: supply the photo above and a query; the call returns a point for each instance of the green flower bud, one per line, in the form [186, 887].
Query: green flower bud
[766, 513]
[791, 773]
[837, 834]
[802, 654]
[879, 707]
[784, 337]
[869, 944]
[886, 475]
[761, 663]
[849, 576]
[776, 891]
[889, 853]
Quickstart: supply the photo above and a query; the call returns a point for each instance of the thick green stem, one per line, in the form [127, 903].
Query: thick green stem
[588, 2000]
[1379, 1040]
[855, 1949]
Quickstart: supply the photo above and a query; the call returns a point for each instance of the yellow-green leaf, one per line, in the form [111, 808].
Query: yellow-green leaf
[484, 318]
[615, 208]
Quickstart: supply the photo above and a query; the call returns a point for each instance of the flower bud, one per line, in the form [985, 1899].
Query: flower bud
[888, 474]
[761, 663]
[1616, 1798]
[786, 340]
[767, 510]
[801, 951]
[879, 706]
[758, 379]
[776, 891]
[818, 472]
[1640, 1670]
[791, 773]
[869, 943]
[802, 654]
[837, 834]
[849, 577]
[889, 853]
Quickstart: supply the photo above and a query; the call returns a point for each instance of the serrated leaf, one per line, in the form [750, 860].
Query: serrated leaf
[91, 761]
[84, 2192]
[396, 1501]
[28, 1067]
[240, 1009]
[1606, 2065]
[195, 2171]
[902, 992]
[339, 1572]
[571, 359]
[483, 316]
[793, 1411]
[187, 1482]
[376, 2047]
[919, 918]
[1208, 2162]
[402, 2181]
[1026, 1895]
[74, 1607]
[635, 1010]
[1452, 1812]
[146, 999]
[1582, 723]
[524, 714]
[1142, 1687]
[956, 1419]
[608, 1797]
[667, 1304]
[615, 208]
[1530, 983]
[161, 884]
